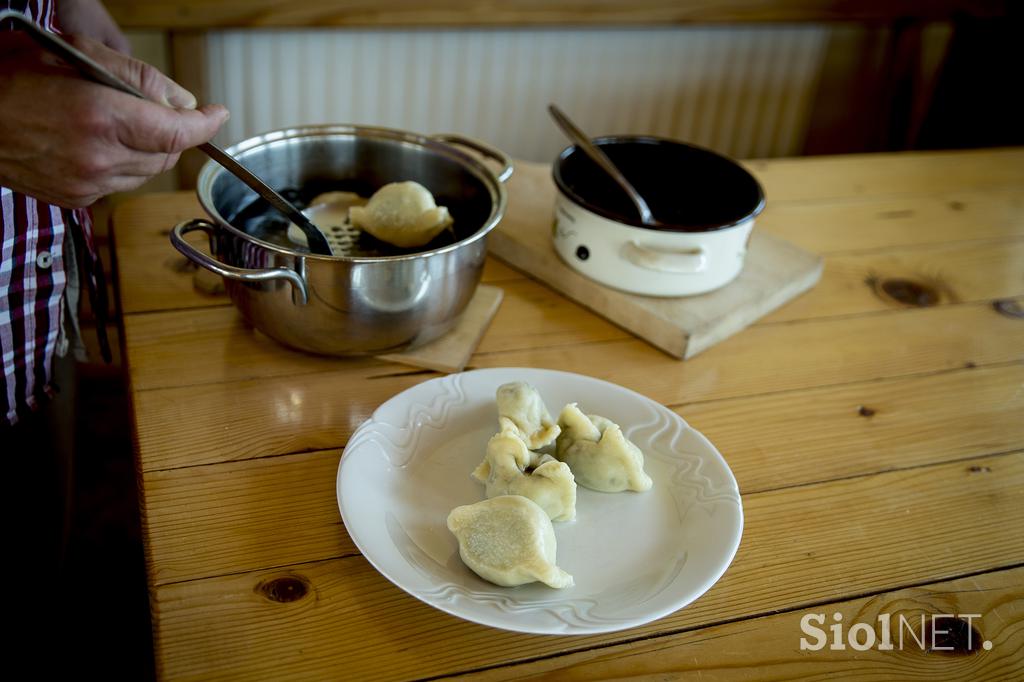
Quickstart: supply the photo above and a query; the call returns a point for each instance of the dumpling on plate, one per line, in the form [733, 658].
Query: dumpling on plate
[600, 456]
[509, 541]
[509, 468]
[401, 213]
[520, 403]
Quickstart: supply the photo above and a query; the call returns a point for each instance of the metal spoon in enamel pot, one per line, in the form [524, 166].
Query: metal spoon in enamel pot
[581, 140]
[86, 66]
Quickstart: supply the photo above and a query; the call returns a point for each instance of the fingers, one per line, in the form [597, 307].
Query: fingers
[171, 123]
[139, 74]
[148, 128]
[78, 140]
[144, 165]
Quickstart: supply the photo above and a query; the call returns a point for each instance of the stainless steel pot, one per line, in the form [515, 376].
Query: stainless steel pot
[359, 304]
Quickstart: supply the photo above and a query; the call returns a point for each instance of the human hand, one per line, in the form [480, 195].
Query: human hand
[69, 141]
[90, 18]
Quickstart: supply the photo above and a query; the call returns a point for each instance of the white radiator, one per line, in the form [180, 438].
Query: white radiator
[746, 92]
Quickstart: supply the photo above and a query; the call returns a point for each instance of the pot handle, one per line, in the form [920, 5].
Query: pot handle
[230, 271]
[687, 261]
[487, 150]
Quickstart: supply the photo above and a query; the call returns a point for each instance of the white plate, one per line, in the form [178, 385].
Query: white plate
[635, 556]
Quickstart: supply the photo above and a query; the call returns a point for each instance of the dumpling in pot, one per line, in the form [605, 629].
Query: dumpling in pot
[509, 468]
[508, 541]
[600, 456]
[403, 214]
[337, 200]
[328, 211]
[520, 403]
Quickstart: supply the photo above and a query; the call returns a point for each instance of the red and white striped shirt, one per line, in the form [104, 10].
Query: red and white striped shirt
[33, 277]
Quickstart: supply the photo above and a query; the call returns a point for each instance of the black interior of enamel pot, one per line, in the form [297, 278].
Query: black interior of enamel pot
[688, 189]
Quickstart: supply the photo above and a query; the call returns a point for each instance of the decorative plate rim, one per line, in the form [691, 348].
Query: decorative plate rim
[566, 616]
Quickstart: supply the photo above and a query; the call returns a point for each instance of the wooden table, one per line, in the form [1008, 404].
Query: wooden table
[878, 440]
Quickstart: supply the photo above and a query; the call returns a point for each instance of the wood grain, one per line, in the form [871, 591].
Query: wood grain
[152, 274]
[290, 411]
[990, 269]
[852, 284]
[223, 518]
[877, 447]
[312, 412]
[774, 272]
[880, 224]
[880, 176]
[200, 14]
[220, 347]
[897, 528]
[799, 437]
[234, 516]
[162, 279]
[532, 314]
[790, 356]
[960, 272]
[770, 645]
[184, 426]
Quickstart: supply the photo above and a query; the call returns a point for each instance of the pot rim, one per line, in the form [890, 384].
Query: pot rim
[211, 170]
[646, 231]
[634, 221]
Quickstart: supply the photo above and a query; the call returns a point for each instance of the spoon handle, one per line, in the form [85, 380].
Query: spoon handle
[580, 139]
[90, 68]
[314, 237]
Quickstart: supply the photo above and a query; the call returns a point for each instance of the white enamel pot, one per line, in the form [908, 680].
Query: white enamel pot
[705, 204]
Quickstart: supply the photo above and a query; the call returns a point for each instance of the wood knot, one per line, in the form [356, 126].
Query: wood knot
[956, 205]
[1009, 308]
[907, 292]
[979, 469]
[284, 589]
[952, 635]
[865, 411]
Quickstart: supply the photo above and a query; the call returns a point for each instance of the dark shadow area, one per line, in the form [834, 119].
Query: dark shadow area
[103, 588]
[975, 100]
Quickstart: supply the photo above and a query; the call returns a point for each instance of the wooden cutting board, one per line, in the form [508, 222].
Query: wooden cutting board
[774, 272]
